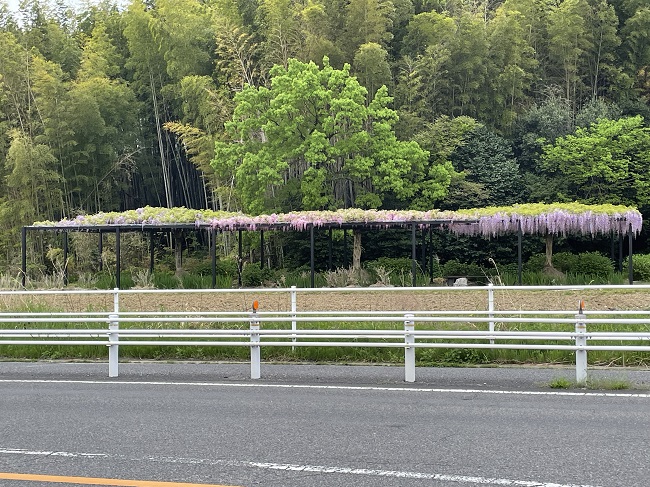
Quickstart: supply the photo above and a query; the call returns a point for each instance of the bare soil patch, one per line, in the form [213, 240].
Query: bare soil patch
[370, 299]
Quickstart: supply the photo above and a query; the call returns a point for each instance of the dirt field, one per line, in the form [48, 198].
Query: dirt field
[370, 299]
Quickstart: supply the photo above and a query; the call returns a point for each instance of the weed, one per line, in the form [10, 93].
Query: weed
[560, 383]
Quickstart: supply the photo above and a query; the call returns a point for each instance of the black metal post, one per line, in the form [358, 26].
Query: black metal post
[240, 264]
[430, 253]
[311, 252]
[620, 251]
[423, 255]
[65, 258]
[519, 258]
[151, 252]
[413, 255]
[345, 248]
[117, 258]
[23, 261]
[100, 248]
[261, 249]
[329, 249]
[630, 265]
[213, 256]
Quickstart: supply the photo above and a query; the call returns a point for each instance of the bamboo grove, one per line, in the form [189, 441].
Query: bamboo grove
[269, 106]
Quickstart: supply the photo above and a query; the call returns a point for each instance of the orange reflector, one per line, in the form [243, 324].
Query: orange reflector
[255, 305]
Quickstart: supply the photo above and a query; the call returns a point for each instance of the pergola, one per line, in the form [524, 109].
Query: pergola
[556, 219]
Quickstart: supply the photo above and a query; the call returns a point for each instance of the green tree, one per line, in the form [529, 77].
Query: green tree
[316, 31]
[368, 21]
[569, 40]
[313, 135]
[442, 138]
[427, 29]
[32, 183]
[467, 68]
[635, 47]
[513, 64]
[371, 67]
[606, 162]
[280, 29]
[486, 158]
[604, 77]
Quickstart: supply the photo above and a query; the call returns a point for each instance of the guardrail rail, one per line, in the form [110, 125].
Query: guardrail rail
[414, 329]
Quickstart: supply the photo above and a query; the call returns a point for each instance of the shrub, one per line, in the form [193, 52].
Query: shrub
[253, 275]
[227, 267]
[455, 268]
[535, 263]
[593, 263]
[565, 261]
[201, 267]
[641, 263]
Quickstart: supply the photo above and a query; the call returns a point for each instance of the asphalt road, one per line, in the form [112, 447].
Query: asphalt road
[317, 426]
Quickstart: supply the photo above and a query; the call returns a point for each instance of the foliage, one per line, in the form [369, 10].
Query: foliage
[565, 261]
[641, 265]
[586, 263]
[390, 264]
[560, 383]
[487, 159]
[455, 268]
[105, 108]
[253, 275]
[605, 162]
[593, 263]
[313, 125]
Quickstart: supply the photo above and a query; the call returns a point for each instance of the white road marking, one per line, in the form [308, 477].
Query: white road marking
[329, 387]
[461, 479]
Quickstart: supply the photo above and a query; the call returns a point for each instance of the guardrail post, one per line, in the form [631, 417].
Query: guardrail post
[294, 309]
[409, 349]
[491, 309]
[255, 338]
[581, 341]
[113, 335]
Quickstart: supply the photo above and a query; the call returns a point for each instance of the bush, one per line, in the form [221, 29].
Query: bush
[594, 264]
[641, 263]
[535, 263]
[227, 267]
[252, 275]
[565, 261]
[455, 268]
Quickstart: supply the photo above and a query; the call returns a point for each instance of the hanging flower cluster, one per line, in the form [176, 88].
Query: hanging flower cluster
[556, 219]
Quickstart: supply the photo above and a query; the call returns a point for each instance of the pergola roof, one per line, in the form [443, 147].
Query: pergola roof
[555, 219]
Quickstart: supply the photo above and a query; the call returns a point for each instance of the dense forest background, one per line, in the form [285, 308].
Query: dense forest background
[493, 102]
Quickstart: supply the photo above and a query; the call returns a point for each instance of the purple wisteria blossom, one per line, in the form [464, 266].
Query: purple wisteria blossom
[554, 219]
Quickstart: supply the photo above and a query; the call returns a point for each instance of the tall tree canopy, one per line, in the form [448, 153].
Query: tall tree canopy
[605, 162]
[312, 135]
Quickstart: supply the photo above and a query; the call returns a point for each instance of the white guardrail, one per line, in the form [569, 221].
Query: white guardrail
[251, 332]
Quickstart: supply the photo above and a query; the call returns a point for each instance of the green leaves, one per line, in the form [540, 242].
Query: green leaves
[313, 125]
[605, 162]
